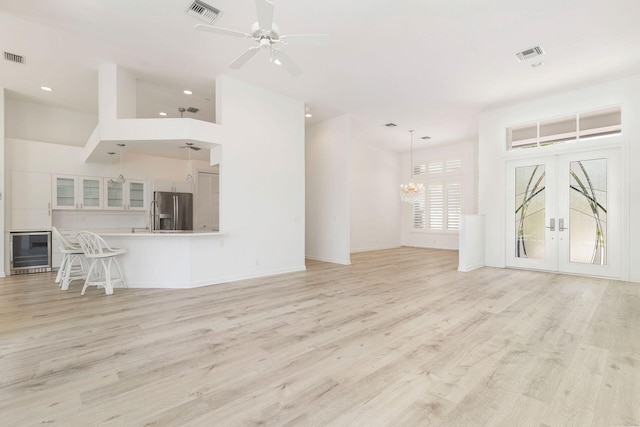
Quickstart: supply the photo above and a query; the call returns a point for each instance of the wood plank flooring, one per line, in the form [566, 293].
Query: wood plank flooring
[399, 338]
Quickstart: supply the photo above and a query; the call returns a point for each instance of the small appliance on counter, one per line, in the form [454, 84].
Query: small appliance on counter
[30, 252]
[171, 211]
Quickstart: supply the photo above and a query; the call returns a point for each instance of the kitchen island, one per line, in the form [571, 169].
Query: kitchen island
[169, 259]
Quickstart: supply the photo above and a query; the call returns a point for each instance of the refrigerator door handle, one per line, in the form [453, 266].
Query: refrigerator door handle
[176, 220]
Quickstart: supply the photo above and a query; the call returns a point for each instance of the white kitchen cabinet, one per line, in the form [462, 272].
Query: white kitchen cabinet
[30, 201]
[130, 195]
[77, 192]
[173, 186]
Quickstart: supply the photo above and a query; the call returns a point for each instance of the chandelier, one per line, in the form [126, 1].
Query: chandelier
[411, 192]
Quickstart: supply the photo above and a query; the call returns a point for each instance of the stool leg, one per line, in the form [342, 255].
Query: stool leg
[89, 273]
[61, 269]
[115, 261]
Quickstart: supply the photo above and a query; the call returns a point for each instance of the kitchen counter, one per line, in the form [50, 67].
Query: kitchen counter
[175, 260]
[161, 233]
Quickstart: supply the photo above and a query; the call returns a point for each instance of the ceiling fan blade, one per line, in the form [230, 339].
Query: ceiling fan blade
[242, 59]
[223, 31]
[287, 63]
[265, 14]
[306, 39]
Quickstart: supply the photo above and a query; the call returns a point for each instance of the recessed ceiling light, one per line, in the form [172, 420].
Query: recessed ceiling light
[277, 61]
[308, 115]
[537, 64]
[46, 88]
[187, 92]
[162, 113]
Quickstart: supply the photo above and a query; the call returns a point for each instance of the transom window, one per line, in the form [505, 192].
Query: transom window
[574, 127]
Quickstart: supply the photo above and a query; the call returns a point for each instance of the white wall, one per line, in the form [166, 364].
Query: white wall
[262, 209]
[3, 194]
[493, 155]
[440, 240]
[327, 190]
[37, 122]
[374, 197]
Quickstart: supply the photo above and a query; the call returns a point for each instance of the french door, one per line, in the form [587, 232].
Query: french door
[564, 213]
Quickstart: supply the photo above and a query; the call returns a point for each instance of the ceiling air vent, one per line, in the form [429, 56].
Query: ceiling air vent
[193, 110]
[391, 125]
[529, 53]
[14, 58]
[203, 11]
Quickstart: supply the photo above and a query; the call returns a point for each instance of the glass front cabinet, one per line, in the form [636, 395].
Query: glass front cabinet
[76, 192]
[130, 195]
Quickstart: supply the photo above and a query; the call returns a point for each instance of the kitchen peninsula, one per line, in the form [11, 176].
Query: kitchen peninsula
[176, 259]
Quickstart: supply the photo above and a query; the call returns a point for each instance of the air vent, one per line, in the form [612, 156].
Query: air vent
[203, 11]
[14, 58]
[391, 125]
[193, 110]
[529, 53]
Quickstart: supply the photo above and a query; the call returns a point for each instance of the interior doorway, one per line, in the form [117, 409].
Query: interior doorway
[564, 213]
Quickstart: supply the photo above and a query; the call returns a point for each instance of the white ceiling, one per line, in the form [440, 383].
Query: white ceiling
[428, 65]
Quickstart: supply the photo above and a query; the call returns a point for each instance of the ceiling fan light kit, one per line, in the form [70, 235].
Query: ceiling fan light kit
[267, 36]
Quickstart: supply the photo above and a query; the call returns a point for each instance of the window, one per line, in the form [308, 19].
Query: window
[574, 127]
[441, 207]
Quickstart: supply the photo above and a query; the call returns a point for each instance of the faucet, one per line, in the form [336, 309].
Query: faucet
[153, 213]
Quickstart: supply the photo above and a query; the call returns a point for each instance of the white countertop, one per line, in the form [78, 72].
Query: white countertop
[161, 233]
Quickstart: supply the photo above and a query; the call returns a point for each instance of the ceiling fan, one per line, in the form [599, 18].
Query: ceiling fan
[267, 36]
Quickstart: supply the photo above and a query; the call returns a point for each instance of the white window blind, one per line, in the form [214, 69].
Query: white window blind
[419, 215]
[454, 205]
[436, 207]
[441, 208]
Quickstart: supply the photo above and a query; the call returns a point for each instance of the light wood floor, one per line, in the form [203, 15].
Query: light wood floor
[400, 338]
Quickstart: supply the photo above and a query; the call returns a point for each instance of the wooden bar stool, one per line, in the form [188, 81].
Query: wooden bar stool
[101, 259]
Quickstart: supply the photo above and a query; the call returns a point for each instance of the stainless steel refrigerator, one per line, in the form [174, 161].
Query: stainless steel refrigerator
[172, 211]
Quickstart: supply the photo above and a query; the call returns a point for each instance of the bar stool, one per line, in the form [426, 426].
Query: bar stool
[73, 265]
[101, 259]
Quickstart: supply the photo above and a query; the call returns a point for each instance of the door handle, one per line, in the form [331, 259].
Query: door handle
[552, 224]
[561, 226]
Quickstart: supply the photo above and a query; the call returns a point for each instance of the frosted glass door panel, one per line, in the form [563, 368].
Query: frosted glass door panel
[530, 211]
[588, 211]
[65, 192]
[91, 192]
[115, 195]
[136, 195]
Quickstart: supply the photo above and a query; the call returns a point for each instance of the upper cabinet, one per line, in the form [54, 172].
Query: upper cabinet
[77, 192]
[173, 186]
[130, 195]
[30, 201]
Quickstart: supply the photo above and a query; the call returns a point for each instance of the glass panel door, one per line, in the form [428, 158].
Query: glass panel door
[115, 195]
[136, 195]
[564, 213]
[65, 192]
[531, 242]
[590, 208]
[91, 191]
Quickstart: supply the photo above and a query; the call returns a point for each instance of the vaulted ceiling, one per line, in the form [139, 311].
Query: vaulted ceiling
[428, 65]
